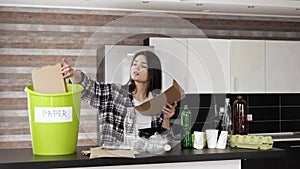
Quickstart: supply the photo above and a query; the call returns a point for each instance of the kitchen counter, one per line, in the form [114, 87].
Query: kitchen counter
[23, 158]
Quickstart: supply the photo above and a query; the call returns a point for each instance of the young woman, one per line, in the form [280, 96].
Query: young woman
[113, 99]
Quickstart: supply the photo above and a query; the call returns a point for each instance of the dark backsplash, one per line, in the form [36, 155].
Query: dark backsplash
[270, 112]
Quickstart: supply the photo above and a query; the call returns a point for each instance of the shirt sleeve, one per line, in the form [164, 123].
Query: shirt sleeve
[94, 93]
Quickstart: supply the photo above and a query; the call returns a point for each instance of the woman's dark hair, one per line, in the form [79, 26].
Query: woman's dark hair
[154, 72]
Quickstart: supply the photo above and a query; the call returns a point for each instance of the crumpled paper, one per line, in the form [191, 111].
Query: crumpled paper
[99, 152]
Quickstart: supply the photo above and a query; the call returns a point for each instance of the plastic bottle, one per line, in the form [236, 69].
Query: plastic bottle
[186, 126]
[214, 115]
[221, 114]
[227, 118]
[240, 124]
[130, 128]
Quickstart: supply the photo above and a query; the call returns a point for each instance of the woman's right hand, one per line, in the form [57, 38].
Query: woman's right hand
[66, 69]
[68, 72]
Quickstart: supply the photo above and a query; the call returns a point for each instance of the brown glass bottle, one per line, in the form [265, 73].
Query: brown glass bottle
[240, 124]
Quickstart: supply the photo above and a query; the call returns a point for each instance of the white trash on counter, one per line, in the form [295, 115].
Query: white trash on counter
[155, 144]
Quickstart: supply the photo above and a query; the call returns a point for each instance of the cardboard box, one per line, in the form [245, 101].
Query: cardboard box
[48, 80]
[155, 105]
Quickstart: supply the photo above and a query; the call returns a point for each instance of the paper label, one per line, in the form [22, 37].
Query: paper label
[53, 114]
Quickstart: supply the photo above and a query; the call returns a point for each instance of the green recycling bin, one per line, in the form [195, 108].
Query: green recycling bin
[54, 120]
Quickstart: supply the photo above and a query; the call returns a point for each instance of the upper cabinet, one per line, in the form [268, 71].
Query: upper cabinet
[208, 65]
[230, 66]
[283, 66]
[199, 65]
[173, 56]
[247, 66]
[116, 61]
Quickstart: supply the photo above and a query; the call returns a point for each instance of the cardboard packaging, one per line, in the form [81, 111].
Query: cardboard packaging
[154, 105]
[48, 80]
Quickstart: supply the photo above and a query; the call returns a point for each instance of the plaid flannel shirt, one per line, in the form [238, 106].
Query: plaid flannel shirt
[112, 102]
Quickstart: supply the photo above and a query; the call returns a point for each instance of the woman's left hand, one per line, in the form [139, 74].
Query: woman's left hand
[169, 110]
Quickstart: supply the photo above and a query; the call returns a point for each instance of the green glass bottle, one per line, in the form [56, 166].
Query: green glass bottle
[186, 126]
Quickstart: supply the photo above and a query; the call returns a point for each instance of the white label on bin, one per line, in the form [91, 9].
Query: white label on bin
[53, 114]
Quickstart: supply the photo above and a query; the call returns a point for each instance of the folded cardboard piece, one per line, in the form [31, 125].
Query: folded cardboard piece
[99, 152]
[48, 80]
[155, 105]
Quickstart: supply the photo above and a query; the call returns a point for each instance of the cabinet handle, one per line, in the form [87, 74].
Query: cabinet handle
[186, 83]
[233, 82]
[295, 146]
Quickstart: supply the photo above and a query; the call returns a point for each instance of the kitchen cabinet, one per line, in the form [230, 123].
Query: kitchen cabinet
[247, 66]
[292, 148]
[230, 66]
[199, 65]
[282, 66]
[208, 65]
[173, 56]
[115, 62]
[270, 163]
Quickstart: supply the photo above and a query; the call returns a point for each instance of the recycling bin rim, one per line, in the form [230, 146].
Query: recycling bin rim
[30, 89]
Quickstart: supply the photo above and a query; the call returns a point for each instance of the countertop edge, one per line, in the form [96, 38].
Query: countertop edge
[23, 158]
